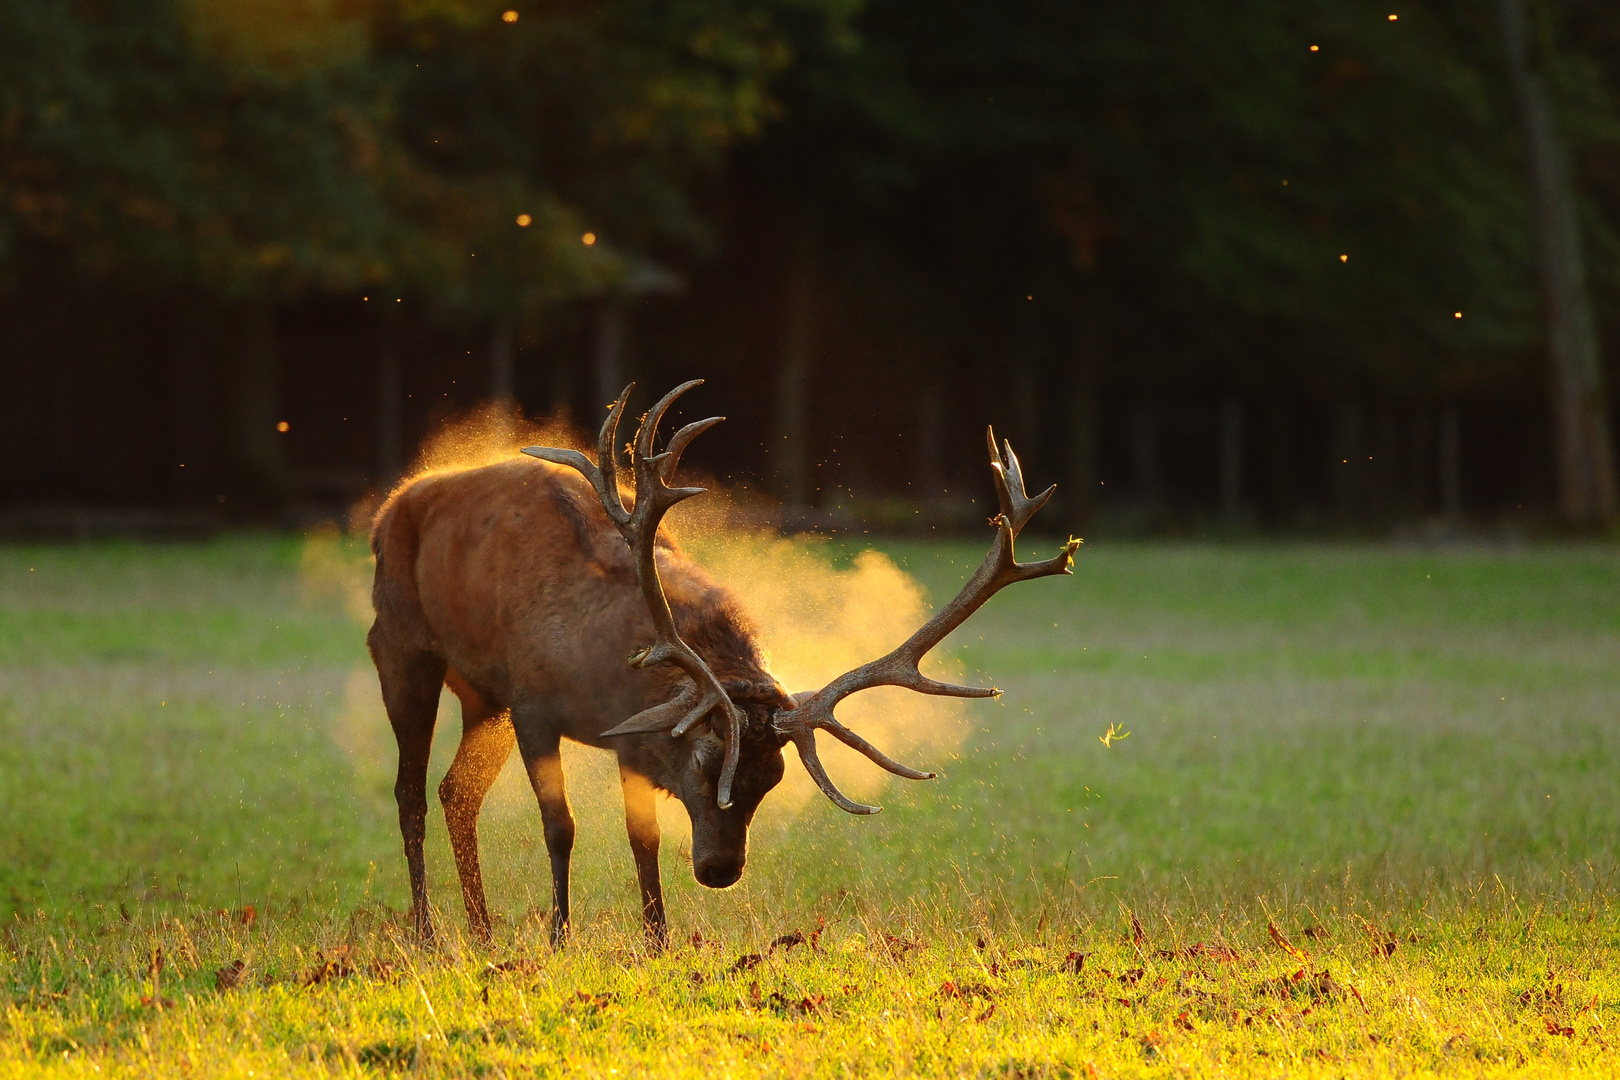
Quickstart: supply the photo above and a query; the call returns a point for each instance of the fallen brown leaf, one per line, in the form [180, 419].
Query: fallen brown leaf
[747, 962]
[229, 977]
[899, 946]
[1383, 944]
[805, 1006]
[326, 969]
[949, 989]
[1321, 986]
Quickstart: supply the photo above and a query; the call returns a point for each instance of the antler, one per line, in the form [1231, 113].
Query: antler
[639, 527]
[899, 668]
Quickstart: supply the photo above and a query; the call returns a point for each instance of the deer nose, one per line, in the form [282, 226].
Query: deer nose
[717, 875]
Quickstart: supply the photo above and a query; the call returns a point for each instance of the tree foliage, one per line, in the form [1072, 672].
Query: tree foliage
[274, 146]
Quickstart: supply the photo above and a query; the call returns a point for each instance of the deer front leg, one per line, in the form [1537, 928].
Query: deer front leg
[641, 821]
[543, 759]
[486, 742]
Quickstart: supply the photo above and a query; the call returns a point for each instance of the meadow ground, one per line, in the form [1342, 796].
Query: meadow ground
[1364, 822]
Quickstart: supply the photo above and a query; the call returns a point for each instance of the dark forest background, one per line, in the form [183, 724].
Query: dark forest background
[1300, 265]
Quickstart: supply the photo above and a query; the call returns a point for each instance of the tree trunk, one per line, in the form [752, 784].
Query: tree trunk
[194, 400]
[502, 387]
[1420, 453]
[1080, 503]
[610, 333]
[930, 425]
[1026, 433]
[258, 441]
[390, 396]
[501, 384]
[1278, 462]
[1450, 462]
[1586, 480]
[1349, 464]
[1145, 456]
[793, 371]
[1232, 463]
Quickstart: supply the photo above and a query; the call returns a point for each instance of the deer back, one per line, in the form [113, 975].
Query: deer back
[514, 575]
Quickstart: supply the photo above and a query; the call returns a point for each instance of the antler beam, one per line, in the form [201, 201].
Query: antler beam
[654, 472]
[900, 667]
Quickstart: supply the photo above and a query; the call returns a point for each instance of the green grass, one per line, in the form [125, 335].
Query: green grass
[1410, 753]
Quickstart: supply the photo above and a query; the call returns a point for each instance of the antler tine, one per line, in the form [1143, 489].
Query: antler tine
[804, 740]
[647, 433]
[855, 742]
[607, 453]
[1016, 506]
[654, 498]
[704, 696]
[603, 474]
[670, 459]
[901, 667]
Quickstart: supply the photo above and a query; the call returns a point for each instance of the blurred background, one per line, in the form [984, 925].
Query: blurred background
[1314, 267]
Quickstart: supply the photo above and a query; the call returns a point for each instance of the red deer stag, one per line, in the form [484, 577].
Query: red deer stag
[523, 587]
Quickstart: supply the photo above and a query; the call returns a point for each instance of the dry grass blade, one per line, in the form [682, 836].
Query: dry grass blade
[1283, 943]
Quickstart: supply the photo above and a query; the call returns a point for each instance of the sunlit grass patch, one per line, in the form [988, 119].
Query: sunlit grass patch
[1481, 987]
[1404, 760]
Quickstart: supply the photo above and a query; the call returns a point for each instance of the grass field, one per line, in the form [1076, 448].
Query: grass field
[1407, 762]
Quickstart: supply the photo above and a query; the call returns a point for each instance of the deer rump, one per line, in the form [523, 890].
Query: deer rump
[532, 591]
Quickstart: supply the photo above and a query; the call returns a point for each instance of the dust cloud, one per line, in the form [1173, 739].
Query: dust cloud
[817, 616]
[490, 433]
[817, 621]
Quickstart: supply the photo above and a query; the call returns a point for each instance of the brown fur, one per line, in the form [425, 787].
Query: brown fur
[509, 584]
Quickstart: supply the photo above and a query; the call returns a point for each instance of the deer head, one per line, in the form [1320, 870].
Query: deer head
[736, 736]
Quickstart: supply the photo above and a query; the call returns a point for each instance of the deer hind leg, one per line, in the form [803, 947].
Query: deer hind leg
[542, 758]
[486, 743]
[641, 821]
[410, 690]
